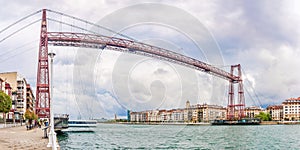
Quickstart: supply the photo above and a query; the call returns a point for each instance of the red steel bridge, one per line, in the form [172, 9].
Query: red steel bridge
[97, 41]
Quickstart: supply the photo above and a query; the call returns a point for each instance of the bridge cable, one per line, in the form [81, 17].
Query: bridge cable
[255, 102]
[71, 25]
[19, 30]
[254, 91]
[90, 23]
[22, 52]
[12, 50]
[20, 20]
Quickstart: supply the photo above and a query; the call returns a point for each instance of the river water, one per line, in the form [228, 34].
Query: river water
[119, 136]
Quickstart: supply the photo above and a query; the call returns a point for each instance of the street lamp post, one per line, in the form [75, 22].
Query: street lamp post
[52, 134]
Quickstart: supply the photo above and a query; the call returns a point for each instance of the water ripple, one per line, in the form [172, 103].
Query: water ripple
[116, 136]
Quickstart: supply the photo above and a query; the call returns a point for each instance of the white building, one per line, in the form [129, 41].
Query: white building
[291, 109]
[153, 116]
[276, 112]
[178, 115]
[6, 88]
[194, 113]
[252, 111]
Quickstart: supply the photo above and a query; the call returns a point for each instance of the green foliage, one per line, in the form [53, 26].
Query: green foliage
[264, 116]
[30, 115]
[5, 102]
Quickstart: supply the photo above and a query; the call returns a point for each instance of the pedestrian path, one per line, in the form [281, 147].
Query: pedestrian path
[20, 138]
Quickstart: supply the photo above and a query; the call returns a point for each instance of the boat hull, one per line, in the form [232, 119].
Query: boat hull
[237, 122]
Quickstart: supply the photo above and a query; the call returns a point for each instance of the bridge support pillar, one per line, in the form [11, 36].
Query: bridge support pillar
[42, 84]
[235, 109]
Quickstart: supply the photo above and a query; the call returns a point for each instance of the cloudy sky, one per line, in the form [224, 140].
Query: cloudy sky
[262, 36]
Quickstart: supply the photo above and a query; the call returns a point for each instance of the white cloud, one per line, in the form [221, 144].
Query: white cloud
[262, 36]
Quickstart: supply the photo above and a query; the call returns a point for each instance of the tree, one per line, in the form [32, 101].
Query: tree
[264, 116]
[30, 116]
[5, 104]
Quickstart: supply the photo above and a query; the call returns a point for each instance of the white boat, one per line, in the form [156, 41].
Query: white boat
[81, 125]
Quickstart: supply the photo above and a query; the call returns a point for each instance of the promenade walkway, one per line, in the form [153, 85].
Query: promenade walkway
[18, 138]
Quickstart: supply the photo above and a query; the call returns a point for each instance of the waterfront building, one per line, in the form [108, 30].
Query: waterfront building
[153, 116]
[21, 94]
[251, 111]
[178, 115]
[163, 115]
[191, 113]
[276, 112]
[133, 116]
[195, 115]
[139, 116]
[187, 112]
[207, 113]
[128, 115]
[291, 109]
[213, 112]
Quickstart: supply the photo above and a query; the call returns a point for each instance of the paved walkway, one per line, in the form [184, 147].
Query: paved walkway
[10, 125]
[18, 138]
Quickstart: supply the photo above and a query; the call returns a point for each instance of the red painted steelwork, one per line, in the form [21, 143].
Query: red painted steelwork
[99, 41]
[124, 45]
[42, 89]
[232, 105]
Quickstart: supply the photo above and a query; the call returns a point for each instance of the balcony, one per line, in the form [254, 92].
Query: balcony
[20, 83]
[20, 90]
[20, 106]
[19, 98]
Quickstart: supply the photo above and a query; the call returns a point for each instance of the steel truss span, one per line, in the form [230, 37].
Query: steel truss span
[134, 47]
[129, 46]
[124, 45]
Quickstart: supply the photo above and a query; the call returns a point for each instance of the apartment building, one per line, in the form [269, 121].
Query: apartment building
[251, 111]
[191, 113]
[291, 109]
[187, 114]
[276, 112]
[21, 94]
[6, 88]
[213, 112]
[30, 99]
[177, 115]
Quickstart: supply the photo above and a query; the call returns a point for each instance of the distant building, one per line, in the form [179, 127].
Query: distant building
[30, 99]
[291, 109]
[211, 112]
[276, 112]
[178, 115]
[252, 111]
[139, 116]
[162, 115]
[133, 116]
[187, 112]
[21, 94]
[128, 115]
[153, 116]
[191, 113]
